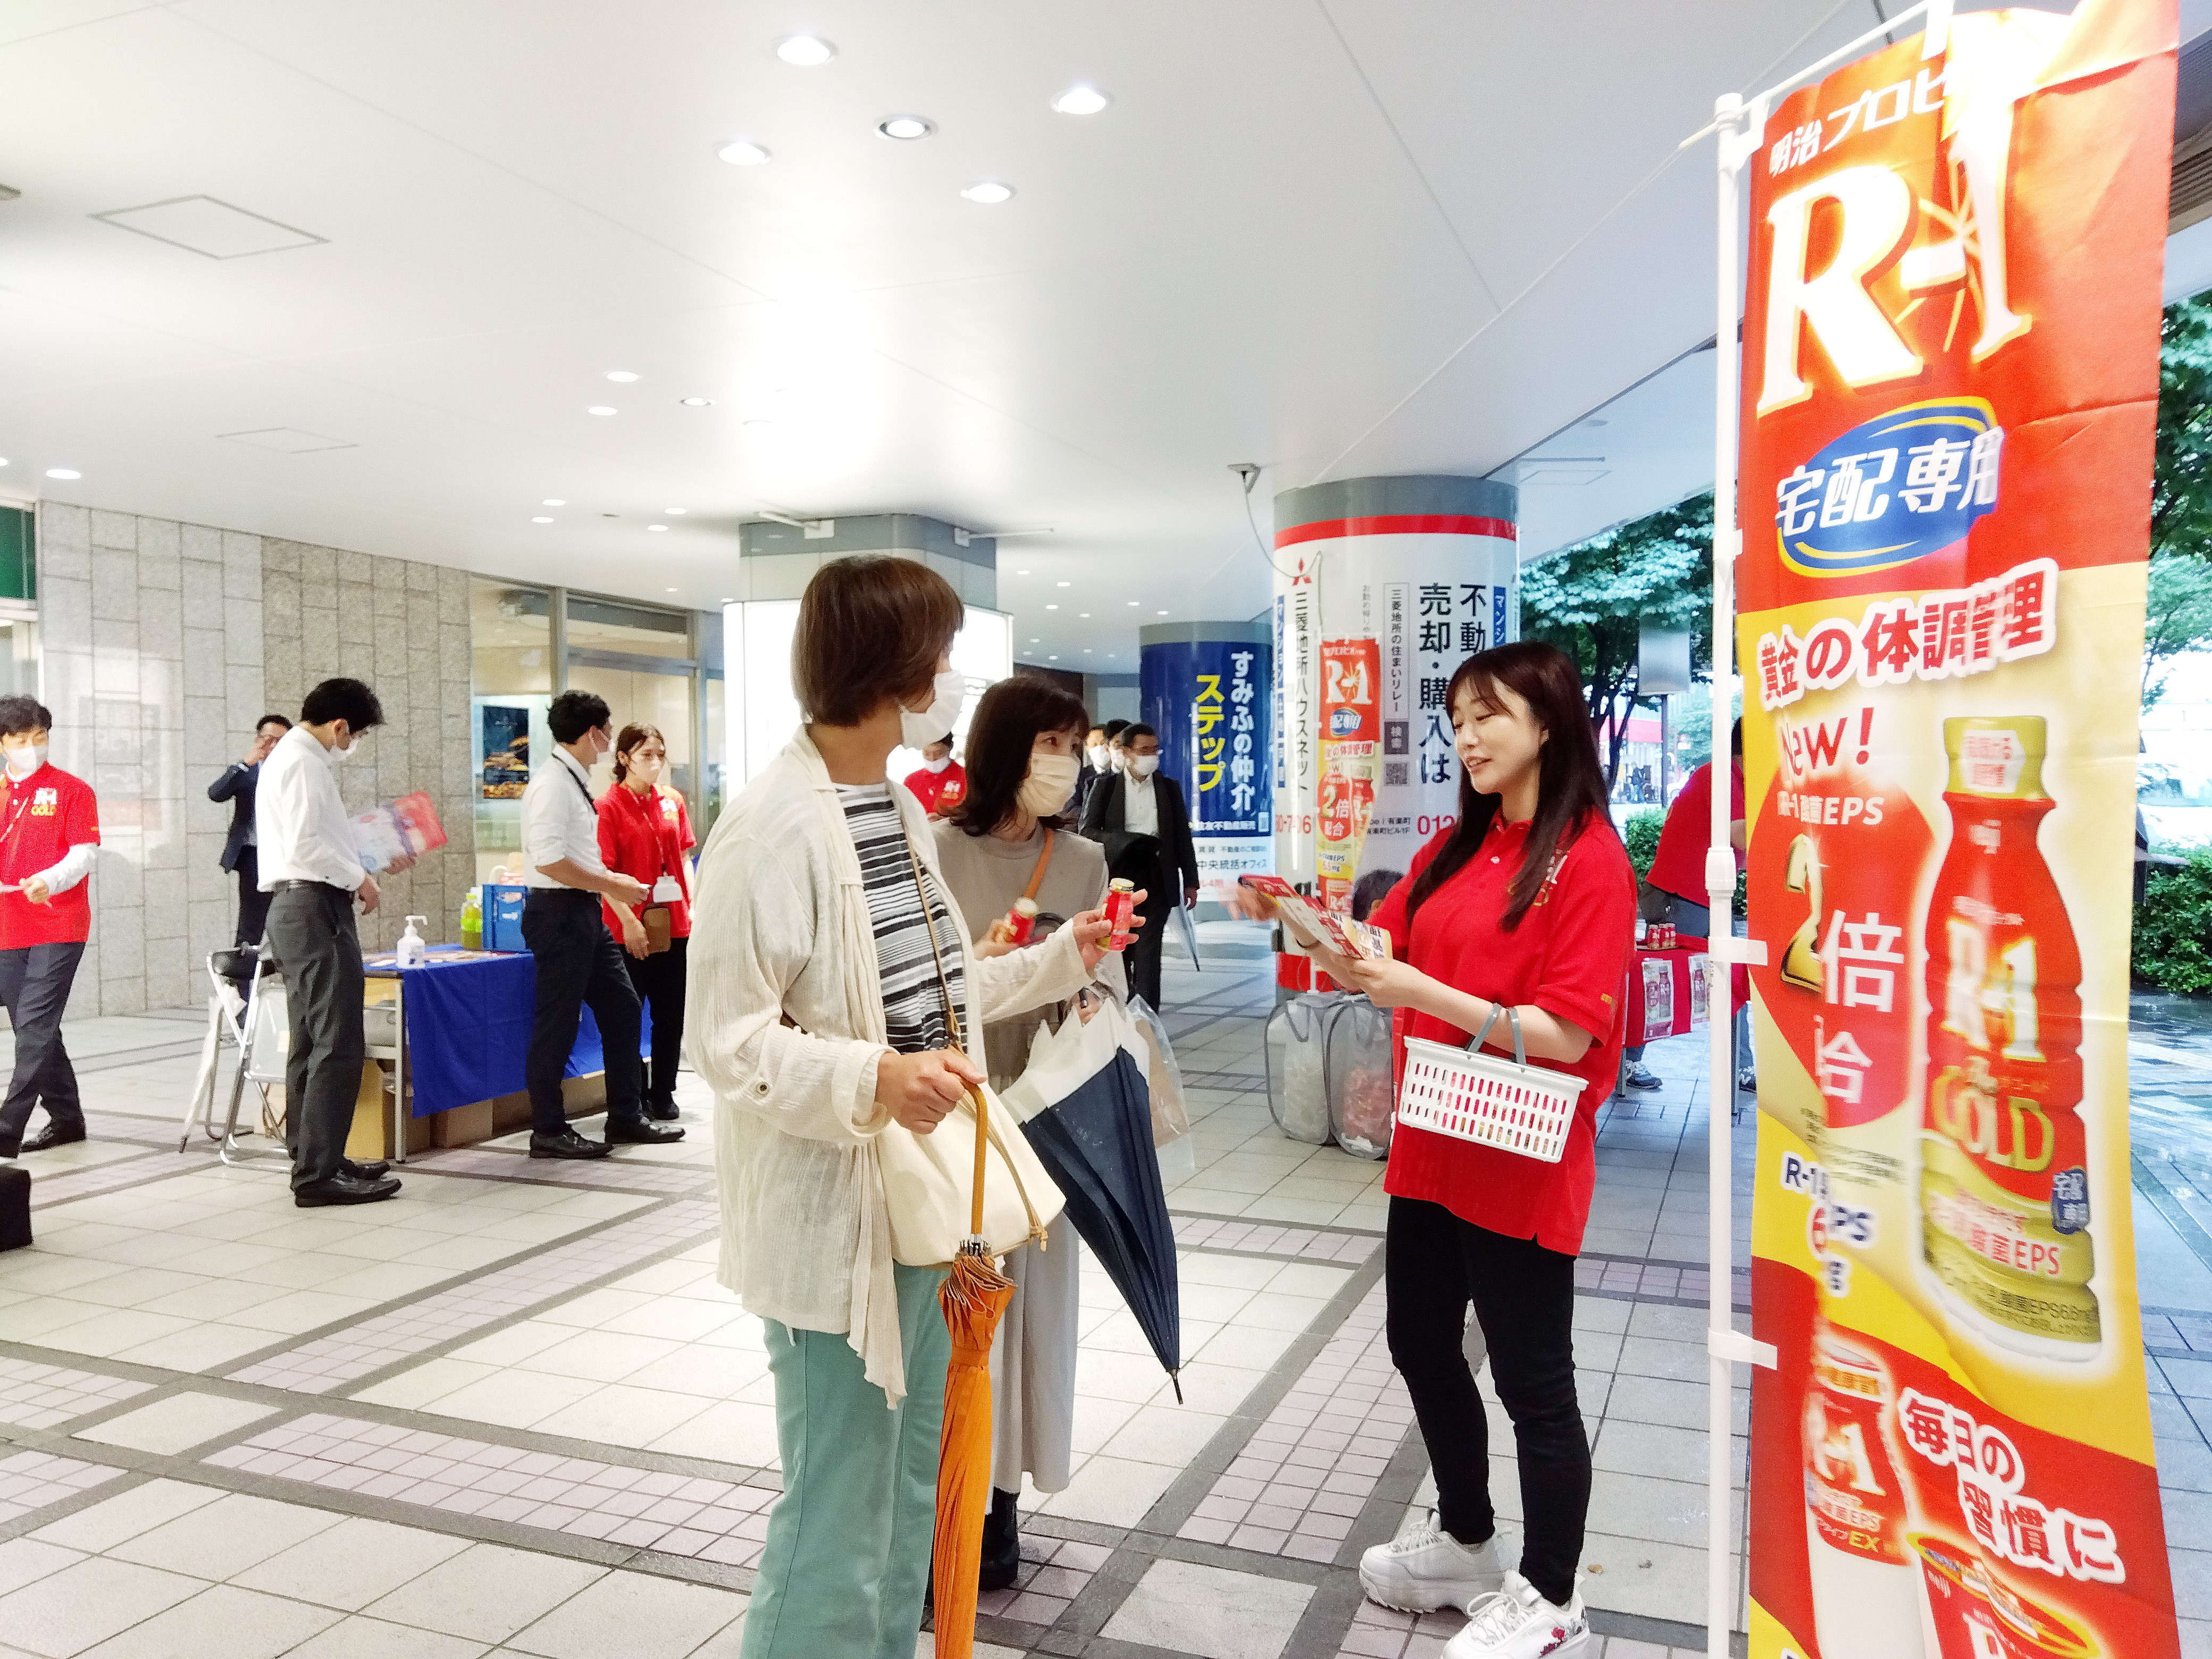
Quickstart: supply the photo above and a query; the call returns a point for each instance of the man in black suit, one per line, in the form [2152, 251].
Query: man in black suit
[241, 848]
[1098, 761]
[1145, 827]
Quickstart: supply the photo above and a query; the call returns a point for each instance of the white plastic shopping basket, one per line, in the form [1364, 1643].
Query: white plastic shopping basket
[1486, 1098]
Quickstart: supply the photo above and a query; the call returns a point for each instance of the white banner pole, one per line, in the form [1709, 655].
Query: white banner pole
[1720, 896]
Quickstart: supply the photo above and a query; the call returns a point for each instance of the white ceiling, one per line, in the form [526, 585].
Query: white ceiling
[1334, 237]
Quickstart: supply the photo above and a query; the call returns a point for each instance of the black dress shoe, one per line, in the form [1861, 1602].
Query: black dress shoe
[638, 1132]
[374, 1169]
[344, 1187]
[567, 1144]
[53, 1135]
[662, 1109]
[1002, 1543]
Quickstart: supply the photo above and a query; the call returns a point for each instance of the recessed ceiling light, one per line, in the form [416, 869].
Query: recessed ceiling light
[659, 526]
[64, 472]
[1051, 607]
[552, 500]
[541, 520]
[990, 193]
[1164, 613]
[908, 127]
[671, 590]
[1135, 602]
[696, 403]
[1081, 100]
[726, 599]
[599, 409]
[1054, 657]
[1085, 614]
[4, 460]
[804, 50]
[743, 153]
[676, 512]
[623, 374]
[1033, 641]
[1021, 573]
[1063, 584]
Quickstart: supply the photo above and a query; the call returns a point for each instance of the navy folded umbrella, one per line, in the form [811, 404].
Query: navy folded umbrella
[1097, 1143]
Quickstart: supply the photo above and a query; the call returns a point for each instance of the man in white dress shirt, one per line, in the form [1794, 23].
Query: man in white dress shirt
[310, 868]
[578, 960]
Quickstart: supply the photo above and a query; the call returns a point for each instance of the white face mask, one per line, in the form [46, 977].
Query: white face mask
[937, 765]
[644, 770]
[21, 763]
[1101, 759]
[1051, 781]
[1144, 766]
[342, 752]
[943, 713]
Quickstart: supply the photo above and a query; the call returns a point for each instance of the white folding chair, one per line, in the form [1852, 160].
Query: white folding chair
[255, 1022]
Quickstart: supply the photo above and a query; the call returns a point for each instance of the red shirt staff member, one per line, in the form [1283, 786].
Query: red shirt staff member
[942, 782]
[1530, 901]
[644, 831]
[49, 833]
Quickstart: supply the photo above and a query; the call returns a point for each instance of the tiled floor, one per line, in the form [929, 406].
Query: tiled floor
[512, 1412]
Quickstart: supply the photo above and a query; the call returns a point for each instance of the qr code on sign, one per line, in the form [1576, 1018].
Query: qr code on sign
[1394, 774]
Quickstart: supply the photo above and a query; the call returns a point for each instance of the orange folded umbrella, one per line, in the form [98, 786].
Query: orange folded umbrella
[973, 1296]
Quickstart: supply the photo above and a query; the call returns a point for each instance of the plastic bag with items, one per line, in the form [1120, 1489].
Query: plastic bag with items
[1170, 1115]
[1297, 1048]
[1362, 1097]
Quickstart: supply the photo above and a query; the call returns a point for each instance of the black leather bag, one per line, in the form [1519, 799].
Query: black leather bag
[15, 1208]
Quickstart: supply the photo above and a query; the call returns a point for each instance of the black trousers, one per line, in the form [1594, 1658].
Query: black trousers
[579, 964]
[1524, 1295]
[660, 983]
[318, 949]
[253, 902]
[34, 985]
[1141, 960]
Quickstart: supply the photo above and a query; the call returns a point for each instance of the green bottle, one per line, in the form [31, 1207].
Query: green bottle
[472, 919]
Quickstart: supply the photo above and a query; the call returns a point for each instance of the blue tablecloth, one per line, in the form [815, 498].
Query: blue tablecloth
[468, 1028]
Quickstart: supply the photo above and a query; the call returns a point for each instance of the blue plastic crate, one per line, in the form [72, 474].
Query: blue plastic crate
[502, 916]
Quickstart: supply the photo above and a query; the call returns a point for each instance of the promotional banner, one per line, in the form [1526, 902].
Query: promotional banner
[1950, 383]
[1375, 613]
[1209, 701]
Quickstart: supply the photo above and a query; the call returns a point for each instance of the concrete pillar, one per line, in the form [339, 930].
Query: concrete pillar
[1383, 587]
[1207, 688]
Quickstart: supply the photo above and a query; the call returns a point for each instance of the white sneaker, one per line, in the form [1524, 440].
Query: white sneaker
[1516, 1623]
[1428, 1568]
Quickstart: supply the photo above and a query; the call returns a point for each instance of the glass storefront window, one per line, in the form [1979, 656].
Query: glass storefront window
[511, 684]
[631, 629]
[644, 698]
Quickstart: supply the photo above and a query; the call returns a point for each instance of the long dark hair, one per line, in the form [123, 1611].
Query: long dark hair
[1570, 783]
[1009, 718]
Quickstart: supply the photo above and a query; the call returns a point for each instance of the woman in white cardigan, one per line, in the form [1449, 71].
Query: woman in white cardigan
[816, 1014]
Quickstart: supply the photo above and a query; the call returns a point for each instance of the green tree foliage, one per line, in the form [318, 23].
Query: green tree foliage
[1692, 717]
[1639, 833]
[2173, 926]
[2181, 613]
[1594, 600]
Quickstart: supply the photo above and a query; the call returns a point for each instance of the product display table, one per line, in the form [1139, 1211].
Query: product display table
[1667, 994]
[459, 1030]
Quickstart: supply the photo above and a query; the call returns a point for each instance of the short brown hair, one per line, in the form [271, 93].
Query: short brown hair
[871, 627]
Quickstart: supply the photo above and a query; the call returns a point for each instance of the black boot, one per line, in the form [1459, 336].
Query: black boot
[1002, 1543]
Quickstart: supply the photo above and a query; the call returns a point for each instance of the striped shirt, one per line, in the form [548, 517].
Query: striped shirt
[914, 996]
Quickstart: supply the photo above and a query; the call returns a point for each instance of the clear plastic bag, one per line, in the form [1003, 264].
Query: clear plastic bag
[1362, 1099]
[1298, 1082]
[1170, 1115]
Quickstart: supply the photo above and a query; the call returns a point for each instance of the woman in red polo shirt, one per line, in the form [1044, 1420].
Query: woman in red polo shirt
[1528, 900]
[644, 832]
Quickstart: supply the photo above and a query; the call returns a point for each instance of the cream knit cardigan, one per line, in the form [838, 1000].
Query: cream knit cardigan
[784, 1020]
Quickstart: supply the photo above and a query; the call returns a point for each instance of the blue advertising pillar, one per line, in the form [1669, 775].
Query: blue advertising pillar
[1207, 688]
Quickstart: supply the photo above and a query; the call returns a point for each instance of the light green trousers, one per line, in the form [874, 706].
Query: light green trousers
[848, 1543]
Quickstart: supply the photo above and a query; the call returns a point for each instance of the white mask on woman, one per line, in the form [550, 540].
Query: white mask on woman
[1144, 766]
[937, 765]
[931, 725]
[1051, 781]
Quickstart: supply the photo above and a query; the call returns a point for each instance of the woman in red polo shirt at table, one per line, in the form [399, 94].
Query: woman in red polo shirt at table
[644, 832]
[1528, 900]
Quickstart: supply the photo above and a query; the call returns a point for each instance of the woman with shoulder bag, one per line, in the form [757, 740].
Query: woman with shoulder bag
[1527, 903]
[1008, 840]
[829, 998]
[644, 832]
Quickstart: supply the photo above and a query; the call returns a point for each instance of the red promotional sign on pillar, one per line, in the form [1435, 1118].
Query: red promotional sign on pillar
[1950, 383]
